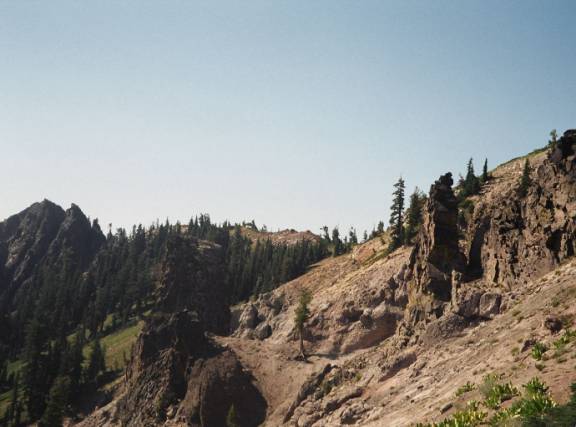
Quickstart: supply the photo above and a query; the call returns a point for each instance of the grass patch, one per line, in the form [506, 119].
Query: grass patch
[118, 345]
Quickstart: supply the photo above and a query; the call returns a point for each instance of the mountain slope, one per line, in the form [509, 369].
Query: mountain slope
[393, 339]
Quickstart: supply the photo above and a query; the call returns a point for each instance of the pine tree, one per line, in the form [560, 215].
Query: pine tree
[485, 171]
[232, 418]
[34, 376]
[300, 317]
[336, 242]
[353, 238]
[414, 215]
[96, 363]
[525, 180]
[471, 182]
[553, 139]
[365, 236]
[13, 412]
[57, 403]
[397, 215]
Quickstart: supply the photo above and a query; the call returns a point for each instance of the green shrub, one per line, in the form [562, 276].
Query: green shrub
[534, 405]
[538, 350]
[534, 387]
[465, 388]
[470, 417]
[562, 415]
[500, 393]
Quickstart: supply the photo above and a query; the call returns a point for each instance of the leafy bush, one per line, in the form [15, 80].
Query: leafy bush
[500, 393]
[538, 350]
[488, 383]
[534, 406]
[534, 387]
[562, 415]
[470, 417]
[465, 388]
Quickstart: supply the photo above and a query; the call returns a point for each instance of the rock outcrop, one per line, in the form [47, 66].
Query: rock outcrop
[193, 279]
[178, 375]
[436, 255]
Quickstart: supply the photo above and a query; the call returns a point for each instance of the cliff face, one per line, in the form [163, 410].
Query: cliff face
[514, 239]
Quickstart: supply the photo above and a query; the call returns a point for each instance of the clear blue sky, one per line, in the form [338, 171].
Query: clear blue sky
[293, 113]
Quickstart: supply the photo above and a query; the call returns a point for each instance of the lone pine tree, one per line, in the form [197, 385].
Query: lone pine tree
[414, 215]
[302, 314]
[525, 180]
[397, 215]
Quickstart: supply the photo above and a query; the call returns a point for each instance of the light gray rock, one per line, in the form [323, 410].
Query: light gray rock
[263, 331]
[489, 305]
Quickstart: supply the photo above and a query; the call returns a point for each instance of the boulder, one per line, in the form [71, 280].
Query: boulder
[489, 305]
[468, 302]
[553, 323]
[445, 327]
[263, 331]
[249, 317]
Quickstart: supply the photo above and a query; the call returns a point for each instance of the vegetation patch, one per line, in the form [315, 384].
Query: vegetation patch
[470, 417]
[465, 388]
[538, 350]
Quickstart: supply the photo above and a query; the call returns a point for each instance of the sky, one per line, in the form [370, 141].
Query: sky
[296, 114]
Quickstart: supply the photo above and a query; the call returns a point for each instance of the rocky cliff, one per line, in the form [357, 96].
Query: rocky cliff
[178, 374]
[513, 239]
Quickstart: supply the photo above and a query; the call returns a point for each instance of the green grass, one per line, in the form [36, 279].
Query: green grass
[118, 345]
[15, 366]
[4, 402]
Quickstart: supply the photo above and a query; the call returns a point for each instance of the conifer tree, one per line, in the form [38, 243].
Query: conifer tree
[57, 403]
[525, 180]
[414, 214]
[96, 363]
[485, 171]
[300, 317]
[13, 413]
[471, 182]
[397, 215]
[232, 418]
[34, 377]
[336, 242]
[553, 139]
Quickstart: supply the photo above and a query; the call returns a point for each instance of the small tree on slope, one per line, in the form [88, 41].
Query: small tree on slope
[397, 215]
[232, 418]
[302, 314]
[525, 180]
